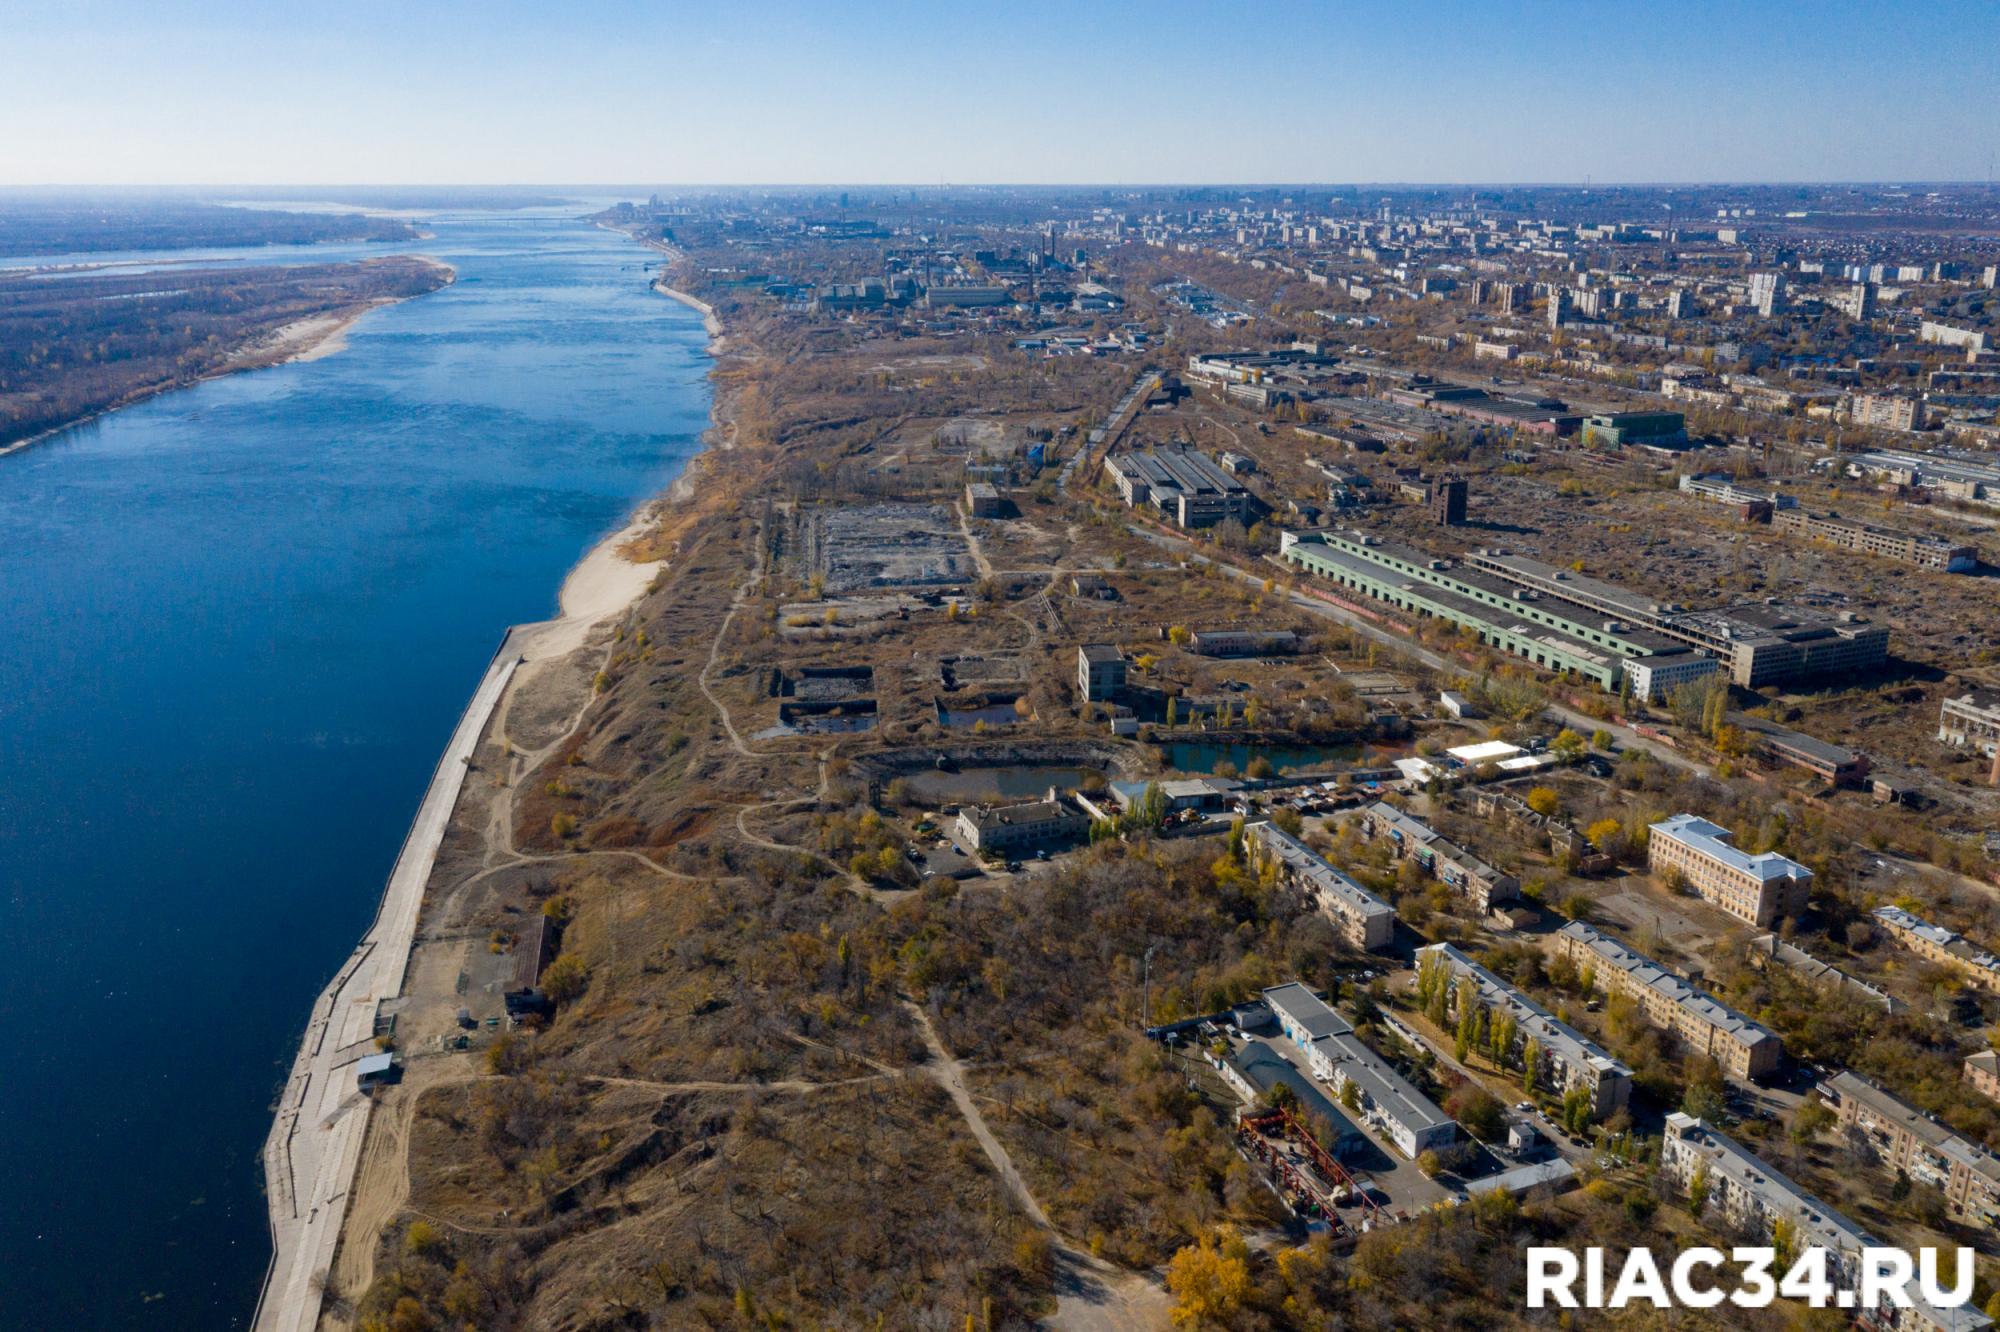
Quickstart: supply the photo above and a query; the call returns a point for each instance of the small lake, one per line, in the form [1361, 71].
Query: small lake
[973, 785]
[992, 714]
[1198, 757]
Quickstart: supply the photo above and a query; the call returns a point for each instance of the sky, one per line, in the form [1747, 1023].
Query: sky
[145, 92]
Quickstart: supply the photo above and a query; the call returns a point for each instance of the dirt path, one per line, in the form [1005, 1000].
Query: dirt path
[1092, 1295]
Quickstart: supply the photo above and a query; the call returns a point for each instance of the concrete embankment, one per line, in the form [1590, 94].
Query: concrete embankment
[315, 1142]
[702, 307]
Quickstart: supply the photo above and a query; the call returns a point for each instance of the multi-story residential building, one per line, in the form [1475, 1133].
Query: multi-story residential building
[1566, 1058]
[1982, 1070]
[1948, 335]
[1972, 721]
[1857, 302]
[1886, 411]
[1945, 947]
[1744, 1193]
[1908, 547]
[1758, 888]
[1100, 671]
[1363, 920]
[1912, 1143]
[1338, 1057]
[1038, 825]
[1447, 862]
[1744, 1049]
[1769, 948]
[1183, 485]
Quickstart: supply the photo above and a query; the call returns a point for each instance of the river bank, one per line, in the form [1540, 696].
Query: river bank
[307, 339]
[322, 1130]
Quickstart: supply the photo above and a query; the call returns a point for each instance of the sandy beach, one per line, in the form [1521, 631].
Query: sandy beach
[300, 340]
[314, 1154]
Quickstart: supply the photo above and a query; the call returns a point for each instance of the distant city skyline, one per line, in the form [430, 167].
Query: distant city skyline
[231, 92]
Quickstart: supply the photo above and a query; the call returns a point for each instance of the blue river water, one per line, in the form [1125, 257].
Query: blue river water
[237, 625]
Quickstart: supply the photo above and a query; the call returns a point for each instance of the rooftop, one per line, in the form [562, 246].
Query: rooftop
[1712, 840]
[1669, 986]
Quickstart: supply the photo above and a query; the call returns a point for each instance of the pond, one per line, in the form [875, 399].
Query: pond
[977, 785]
[1204, 756]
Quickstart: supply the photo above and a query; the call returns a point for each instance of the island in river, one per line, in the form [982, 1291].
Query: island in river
[75, 343]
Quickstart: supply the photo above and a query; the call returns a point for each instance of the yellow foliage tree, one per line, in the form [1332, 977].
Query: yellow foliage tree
[1209, 1279]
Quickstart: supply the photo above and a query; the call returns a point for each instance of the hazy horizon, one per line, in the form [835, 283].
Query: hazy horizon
[119, 93]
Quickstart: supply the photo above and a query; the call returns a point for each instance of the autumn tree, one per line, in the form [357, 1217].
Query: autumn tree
[1209, 1279]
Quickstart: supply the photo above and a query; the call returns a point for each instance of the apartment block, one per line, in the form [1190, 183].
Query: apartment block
[1982, 1070]
[1940, 945]
[1745, 1193]
[1912, 1143]
[1746, 1050]
[1363, 920]
[1886, 411]
[1447, 862]
[1758, 888]
[1568, 1058]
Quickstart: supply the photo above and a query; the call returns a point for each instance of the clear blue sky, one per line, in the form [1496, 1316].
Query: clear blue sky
[505, 91]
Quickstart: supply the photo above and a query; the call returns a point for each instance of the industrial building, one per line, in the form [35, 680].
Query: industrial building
[1907, 547]
[1745, 1193]
[1450, 864]
[1938, 944]
[1972, 477]
[1339, 1058]
[1755, 504]
[1363, 920]
[1744, 1049]
[1972, 721]
[1758, 888]
[1186, 488]
[1665, 430]
[1100, 672]
[1912, 1143]
[1606, 652]
[1761, 643]
[1243, 642]
[1037, 825]
[1567, 1058]
[1829, 762]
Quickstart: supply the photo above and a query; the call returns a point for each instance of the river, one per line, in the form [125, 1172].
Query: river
[237, 625]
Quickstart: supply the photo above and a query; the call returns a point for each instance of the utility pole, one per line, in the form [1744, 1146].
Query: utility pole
[1146, 970]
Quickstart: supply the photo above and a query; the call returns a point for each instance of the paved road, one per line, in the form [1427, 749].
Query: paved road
[315, 1143]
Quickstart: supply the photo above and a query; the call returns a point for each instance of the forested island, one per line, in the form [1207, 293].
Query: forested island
[77, 346]
[74, 225]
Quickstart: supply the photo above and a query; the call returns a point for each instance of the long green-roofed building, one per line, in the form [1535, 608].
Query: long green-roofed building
[1553, 637]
